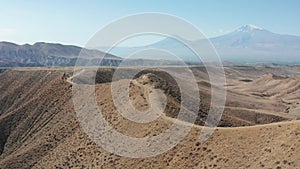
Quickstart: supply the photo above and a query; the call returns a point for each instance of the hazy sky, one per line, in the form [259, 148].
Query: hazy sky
[75, 21]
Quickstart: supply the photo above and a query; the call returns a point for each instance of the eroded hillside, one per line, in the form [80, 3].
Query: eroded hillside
[39, 128]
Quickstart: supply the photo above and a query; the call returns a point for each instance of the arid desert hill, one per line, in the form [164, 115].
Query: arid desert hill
[259, 128]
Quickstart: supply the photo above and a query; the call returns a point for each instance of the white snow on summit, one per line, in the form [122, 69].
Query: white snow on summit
[248, 28]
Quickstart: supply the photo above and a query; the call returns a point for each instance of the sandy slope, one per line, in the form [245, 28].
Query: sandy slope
[270, 146]
[39, 128]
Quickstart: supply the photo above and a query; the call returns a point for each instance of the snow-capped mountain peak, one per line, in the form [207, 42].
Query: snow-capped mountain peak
[249, 28]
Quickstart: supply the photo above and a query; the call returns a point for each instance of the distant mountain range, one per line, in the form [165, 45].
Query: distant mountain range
[49, 54]
[254, 44]
[247, 44]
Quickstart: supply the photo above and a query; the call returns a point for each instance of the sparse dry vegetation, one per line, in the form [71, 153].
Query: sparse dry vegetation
[39, 129]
